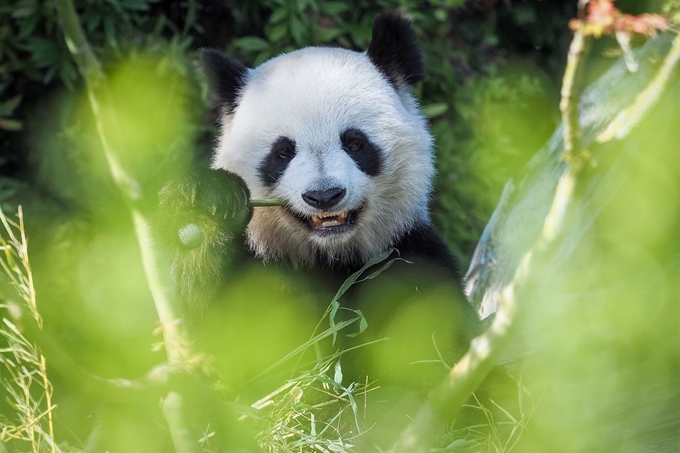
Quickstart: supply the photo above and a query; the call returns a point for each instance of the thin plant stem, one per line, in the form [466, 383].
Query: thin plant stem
[22, 359]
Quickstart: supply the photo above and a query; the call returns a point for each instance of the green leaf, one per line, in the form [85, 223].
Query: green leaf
[335, 304]
[334, 8]
[251, 44]
[278, 15]
[8, 107]
[262, 57]
[25, 8]
[134, 5]
[327, 34]
[28, 25]
[49, 75]
[381, 270]
[379, 258]
[297, 30]
[191, 16]
[110, 32]
[92, 20]
[363, 324]
[361, 35]
[303, 4]
[277, 32]
[434, 110]
[68, 74]
[44, 53]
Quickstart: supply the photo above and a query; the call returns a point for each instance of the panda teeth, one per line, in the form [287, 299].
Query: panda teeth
[328, 220]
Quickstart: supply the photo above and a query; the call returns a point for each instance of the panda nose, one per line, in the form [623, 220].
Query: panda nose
[324, 199]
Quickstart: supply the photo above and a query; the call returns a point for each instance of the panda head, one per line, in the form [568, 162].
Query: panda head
[338, 137]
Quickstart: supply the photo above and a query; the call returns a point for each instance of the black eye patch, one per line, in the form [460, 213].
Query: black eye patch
[272, 167]
[367, 155]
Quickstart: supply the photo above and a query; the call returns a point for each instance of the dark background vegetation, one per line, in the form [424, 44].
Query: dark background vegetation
[494, 70]
[491, 66]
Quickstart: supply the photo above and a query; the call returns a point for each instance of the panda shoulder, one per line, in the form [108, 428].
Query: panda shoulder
[423, 245]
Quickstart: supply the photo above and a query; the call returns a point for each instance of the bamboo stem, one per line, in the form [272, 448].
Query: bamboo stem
[571, 83]
[627, 119]
[175, 340]
[265, 202]
[87, 63]
[445, 401]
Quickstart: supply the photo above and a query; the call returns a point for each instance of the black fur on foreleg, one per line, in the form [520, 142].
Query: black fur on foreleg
[201, 218]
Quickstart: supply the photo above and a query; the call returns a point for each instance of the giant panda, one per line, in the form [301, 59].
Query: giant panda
[338, 137]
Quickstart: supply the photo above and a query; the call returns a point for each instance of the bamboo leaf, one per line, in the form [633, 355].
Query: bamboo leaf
[251, 44]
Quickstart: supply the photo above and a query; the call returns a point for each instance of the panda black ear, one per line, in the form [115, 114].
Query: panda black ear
[394, 50]
[226, 77]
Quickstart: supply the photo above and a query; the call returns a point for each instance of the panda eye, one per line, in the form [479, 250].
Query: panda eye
[354, 146]
[287, 152]
[362, 150]
[284, 148]
[353, 140]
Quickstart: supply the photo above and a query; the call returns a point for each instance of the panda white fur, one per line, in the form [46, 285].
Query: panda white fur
[337, 136]
[346, 150]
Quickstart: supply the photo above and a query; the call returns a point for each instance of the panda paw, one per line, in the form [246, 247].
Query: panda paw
[201, 205]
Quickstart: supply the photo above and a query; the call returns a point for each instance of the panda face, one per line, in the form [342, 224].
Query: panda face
[330, 202]
[344, 147]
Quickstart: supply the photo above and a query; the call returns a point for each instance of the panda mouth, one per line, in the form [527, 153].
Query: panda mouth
[333, 222]
[330, 222]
